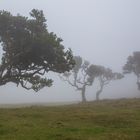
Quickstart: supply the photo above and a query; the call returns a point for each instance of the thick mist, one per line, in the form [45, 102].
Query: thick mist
[102, 32]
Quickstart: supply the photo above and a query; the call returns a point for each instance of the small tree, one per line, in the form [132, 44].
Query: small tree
[133, 65]
[30, 51]
[105, 77]
[81, 76]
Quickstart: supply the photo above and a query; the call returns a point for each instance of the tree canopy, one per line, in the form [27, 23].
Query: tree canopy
[30, 51]
[105, 77]
[133, 66]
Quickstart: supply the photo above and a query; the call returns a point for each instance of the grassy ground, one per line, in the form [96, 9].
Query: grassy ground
[104, 120]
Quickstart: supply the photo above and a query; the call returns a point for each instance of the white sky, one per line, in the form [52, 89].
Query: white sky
[105, 32]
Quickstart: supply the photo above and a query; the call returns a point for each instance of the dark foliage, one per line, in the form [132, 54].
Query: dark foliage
[30, 51]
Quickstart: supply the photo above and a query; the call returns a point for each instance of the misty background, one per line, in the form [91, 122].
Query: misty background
[104, 32]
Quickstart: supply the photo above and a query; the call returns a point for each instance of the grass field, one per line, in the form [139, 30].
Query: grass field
[104, 120]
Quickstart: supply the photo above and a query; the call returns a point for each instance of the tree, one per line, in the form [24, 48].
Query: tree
[30, 51]
[133, 66]
[81, 76]
[105, 77]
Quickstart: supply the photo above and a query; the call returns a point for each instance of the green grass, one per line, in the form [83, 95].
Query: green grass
[104, 120]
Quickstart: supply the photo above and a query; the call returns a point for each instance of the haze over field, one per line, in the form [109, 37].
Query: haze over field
[103, 32]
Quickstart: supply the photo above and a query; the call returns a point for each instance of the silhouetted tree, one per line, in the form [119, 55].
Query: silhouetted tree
[81, 76]
[30, 51]
[105, 77]
[133, 65]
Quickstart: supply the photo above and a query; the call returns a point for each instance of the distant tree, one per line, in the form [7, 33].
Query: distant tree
[133, 65]
[30, 51]
[105, 77]
[81, 76]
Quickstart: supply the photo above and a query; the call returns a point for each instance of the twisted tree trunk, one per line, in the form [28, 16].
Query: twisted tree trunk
[99, 92]
[138, 82]
[83, 94]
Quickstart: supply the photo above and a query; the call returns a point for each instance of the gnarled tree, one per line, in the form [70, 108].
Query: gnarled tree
[30, 51]
[105, 77]
[81, 76]
[133, 65]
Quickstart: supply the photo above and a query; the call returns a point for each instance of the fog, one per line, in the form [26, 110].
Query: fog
[104, 32]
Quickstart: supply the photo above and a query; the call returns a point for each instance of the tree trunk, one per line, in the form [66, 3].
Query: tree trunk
[83, 94]
[99, 92]
[138, 82]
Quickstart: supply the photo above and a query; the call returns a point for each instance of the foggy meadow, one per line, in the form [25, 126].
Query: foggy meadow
[70, 70]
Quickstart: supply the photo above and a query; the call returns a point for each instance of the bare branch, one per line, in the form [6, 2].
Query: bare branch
[24, 85]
